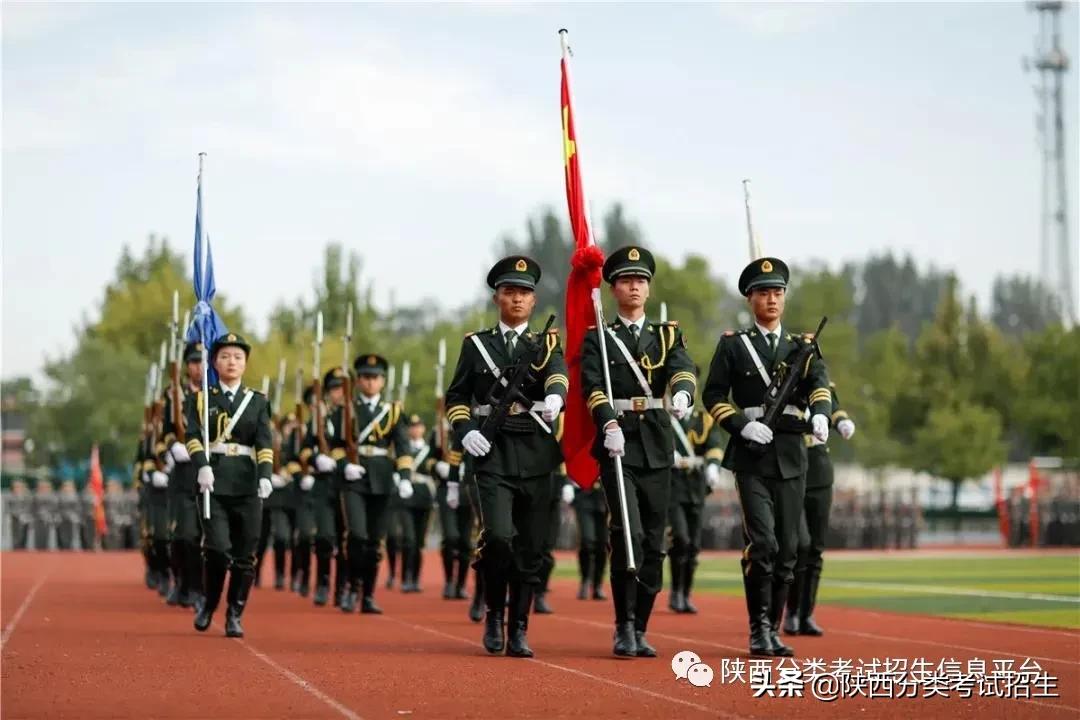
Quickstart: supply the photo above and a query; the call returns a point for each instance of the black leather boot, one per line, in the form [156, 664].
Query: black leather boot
[791, 623]
[777, 604]
[757, 592]
[643, 606]
[460, 593]
[494, 622]
[676, 599]
[368, 606]
[279, 565]
[239, 589]
[598, 561]
[807, 601]
[624, 594]
[323, 553]
[521, 598]
[583, 557]
[213, 583]
[177, 560]
[689, 566]
[540, 603]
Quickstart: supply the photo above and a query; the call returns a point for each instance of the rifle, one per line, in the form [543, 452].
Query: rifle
[275, 433]
[784, 382]
[317, 418]
[404, 388]
[157, 418]
[148, 416]
[351, 452]
[391, 381]
[176, 392]
[440, 398]
[508, 389]
[298, 432]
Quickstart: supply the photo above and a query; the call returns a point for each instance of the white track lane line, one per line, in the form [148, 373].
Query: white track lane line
[573, 671]
[303, 684]
[10, 628]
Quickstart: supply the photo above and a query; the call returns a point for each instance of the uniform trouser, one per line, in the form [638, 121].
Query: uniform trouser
[395, 524]
[229, 540]
[365, 527]
[414, 527]
[551, 536]
[185, 557]
[647, 493]
[771, 510]
[304, 523]
[685, 520]
[276, 531]
[20, 534]
[813, 532]
[457, 531]
[88, 533]
[324, 512]
[157, 528]
[513, 516]
[66, 532]
[592, 540]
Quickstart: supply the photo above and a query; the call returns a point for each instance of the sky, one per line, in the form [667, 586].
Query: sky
[418, 134]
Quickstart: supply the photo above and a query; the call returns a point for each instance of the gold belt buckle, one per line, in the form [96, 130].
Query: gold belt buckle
[231, 449]
[638, 404]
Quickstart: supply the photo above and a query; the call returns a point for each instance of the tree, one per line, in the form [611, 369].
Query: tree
[1047, 410]
[957, 442]
[1021, 305]
[894, 293]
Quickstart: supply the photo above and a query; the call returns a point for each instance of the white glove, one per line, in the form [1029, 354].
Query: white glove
[324, 463]
[757, 432]
[614, 441]
[405, 489]
[307, 482]
[821, 427]
[552, 405]
[442, 469]
[179, 452]
[277, 481]
[159, 479]
[568, 493]
[354, 471]
[206, 478]
[169, 463]
[476, 444]
[681, 463]
[846, 428]
[680, 404]
[712, 476]
[453, 496]
[265, 488]
[145, 478]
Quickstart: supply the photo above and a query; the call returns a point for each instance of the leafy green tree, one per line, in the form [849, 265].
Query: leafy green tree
[1021, 305]
[1047, 410]
[958, 441]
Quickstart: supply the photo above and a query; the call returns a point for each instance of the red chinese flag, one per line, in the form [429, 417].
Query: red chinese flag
[585, 264]
[97, 486]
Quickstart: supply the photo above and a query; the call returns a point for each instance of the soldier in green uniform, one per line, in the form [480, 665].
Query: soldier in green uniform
[276, 523]
[645, 360]
[384, 468]
[417, 508]
[770, 474]
[155, 484]
[185, 555]
[69, 514]
[303, 497]
[814, 526]
[236, 470]
[696, 474]
[455, 519]
[591, 511]
[324, 464]
[512, 468]
[20, 508]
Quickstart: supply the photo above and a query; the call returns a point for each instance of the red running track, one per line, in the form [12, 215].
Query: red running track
[82, 638]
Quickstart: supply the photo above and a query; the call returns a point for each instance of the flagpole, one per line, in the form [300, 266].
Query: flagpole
[200, 268]
[755, 244]
[620, 478]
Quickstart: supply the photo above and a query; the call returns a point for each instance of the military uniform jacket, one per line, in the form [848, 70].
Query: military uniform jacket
[688, 486]
[733, 373]
[661, 355]
[814, 446]
[423, 496]
[290, 466]
[47, 507]
[389, 434]
[326, 484]
[182, 479]
[521, 448]
[70, 507]
[233, 474]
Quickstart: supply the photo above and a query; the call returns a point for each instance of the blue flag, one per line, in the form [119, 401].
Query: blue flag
[206, 326]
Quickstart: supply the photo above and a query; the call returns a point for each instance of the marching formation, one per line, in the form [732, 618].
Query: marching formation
[609, 417]
[226, 476]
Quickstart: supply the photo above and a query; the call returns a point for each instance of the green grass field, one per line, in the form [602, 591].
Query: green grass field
[1030, 589]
